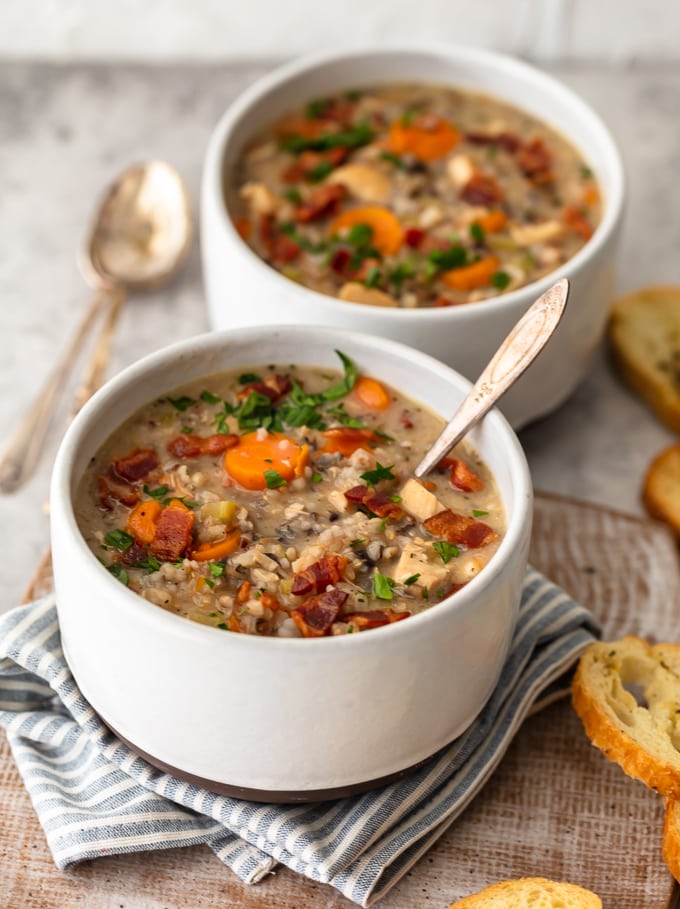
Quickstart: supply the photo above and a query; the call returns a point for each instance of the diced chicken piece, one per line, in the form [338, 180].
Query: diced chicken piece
[430, 216]
[260, 198]
[338, 501]
[353, 292]
[465, 567]
[529, 234]
[419, 558]
[363, 182]
[418, 501]
[460, 170]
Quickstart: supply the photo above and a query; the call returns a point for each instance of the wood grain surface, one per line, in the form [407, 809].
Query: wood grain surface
[555, 807]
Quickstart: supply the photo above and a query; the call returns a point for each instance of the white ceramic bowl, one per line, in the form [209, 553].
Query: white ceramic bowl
[244, 290]
[278, 718]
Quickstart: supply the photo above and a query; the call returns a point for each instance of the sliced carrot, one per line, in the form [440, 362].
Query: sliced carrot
[347, 440]
[387, 230]
[213, 552]
[243, 592]
[591, 196]
[142, 520]
[371, 393]
[302, 461]
[428, 137]
[576, 221]
[492, 222]
[179, 504]
[243, 227]
[471, 276]
[253, 457]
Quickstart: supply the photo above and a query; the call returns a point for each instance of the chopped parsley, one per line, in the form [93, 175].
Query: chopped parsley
[293, 195]
[316, 108]
[373, 277]
[119, 539]
[411, 580]
[246, 378]
[209, 397]
[393, 159]
[117, 570]
[444, 259]
[381, 472]
[273, 479]
[500, 279]
[399, 274]
[447, 551]
[216, 569]
[352, 137]
[382, 587]
[319, 171]
[183, 403]
[160, 492]
[346, 384]
[477, 233]
[150, 564]
[316, 478]
[586, 172]
[359, 235]
[478, 513]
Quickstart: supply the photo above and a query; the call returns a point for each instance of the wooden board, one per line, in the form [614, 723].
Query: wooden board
[555, 807]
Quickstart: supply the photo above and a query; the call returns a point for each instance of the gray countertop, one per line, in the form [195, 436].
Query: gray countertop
[65, 131]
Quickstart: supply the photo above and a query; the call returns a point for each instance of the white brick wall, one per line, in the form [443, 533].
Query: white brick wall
[239, 30]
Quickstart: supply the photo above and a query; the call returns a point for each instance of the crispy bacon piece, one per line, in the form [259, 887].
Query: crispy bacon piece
[462, 476]
[459, 529]
[113, 489]
[173, 534]
[137, 465]
[535, 161]
[316, 615]
[413, 237]
[303, 167]
[188, 445]
[279, 247]
[482, 189]
[506, 140]
[377, 502]
[272, 386]
[319, 575]
[136, 553]
[323, 201]
[375, 618]
[575, 220]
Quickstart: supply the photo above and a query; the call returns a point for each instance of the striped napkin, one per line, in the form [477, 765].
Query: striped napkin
[94, 796]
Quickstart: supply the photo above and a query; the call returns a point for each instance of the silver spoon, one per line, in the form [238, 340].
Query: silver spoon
[140, 237]
[515, 354]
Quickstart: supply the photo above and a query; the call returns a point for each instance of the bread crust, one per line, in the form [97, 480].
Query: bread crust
[644, 330]
[661, 487]
[670, 846]
[534, 892]
[639, 737]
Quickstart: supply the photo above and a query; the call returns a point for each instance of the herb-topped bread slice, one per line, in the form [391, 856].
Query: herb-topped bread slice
[644, 329]
[532, 893]
[627, 694]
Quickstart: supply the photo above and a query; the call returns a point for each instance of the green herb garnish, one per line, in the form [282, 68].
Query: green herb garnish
[183, 403]
[411, 580]
[119, 539]
[273, 479]
[586, 172]
[382, 587]
[500, 279]
[319, 171]
[316, 478]
[399, 274]
[380, 473]
[158, 493]
[209, 397]
[216, 569]
[478, 513]
[117, 570]
[150, 564]
[454, 257]
[353, 137]
[316, 108]
[373, 277]
[346, 384]
[246, 378]
[447, 551]
[293, 195]
[393, 159]
[477, 233]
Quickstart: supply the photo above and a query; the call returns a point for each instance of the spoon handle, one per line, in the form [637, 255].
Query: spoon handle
[19, 459]
[517, 351]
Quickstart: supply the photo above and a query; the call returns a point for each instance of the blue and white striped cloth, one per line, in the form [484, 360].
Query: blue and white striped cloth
[95, 797]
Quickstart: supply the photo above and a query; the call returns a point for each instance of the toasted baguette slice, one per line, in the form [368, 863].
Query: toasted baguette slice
[642, 737]
[670, 847]
[533, 892]
[644, 329]
[661, 487]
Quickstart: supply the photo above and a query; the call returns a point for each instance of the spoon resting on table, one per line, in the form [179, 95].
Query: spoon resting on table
[140, 238]
[515, 354]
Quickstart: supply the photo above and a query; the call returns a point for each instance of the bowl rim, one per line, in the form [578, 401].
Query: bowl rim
[213, 197]
[63, 512]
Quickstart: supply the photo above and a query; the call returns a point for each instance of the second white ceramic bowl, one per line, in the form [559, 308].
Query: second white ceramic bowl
[243, 290]
[275, 718]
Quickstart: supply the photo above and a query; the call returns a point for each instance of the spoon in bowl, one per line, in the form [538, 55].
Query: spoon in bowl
[516, 353]
[140, 238]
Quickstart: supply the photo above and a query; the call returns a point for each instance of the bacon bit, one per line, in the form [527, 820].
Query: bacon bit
[136, 466]
[405, 421]
[375, 618]
[323, 202]
[413, 237]
[173, 534]
[303, 167]
[340, 260]
[136, 553]
[347, 440]
[243, 227]
[464, 478]
[319, 575]
[482, 189]
[510, 142]
[188, 445]
[279, 247]
[113, 489]
[575, 220]
[377, 502]
[272, 386]
[445, 301]
[459, 529]
[243, 592]
[535, 160]
[316, 615]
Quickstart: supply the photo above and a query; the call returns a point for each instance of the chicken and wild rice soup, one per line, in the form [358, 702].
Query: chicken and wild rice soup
[276, 501]
[412, 196]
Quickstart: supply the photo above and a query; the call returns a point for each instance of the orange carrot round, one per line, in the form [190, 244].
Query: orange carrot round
[346, 440]
[142, 520]
[472, 276]
[492, 222]
[212, 552]
[371, 393]
[387, 231]
[250, 462]
[428, 137]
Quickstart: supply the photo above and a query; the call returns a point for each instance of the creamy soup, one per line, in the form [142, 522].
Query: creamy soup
[412, 196]
[274, 501]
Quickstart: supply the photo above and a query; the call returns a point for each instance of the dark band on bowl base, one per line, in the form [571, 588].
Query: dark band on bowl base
[275, 796]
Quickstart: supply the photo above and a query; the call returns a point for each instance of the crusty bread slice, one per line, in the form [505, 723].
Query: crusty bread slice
[661, 487]
[644, 329]
[533, 892]
[641, 734]
[670, 847]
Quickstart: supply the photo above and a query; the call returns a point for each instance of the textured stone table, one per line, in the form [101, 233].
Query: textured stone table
[66, 131]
